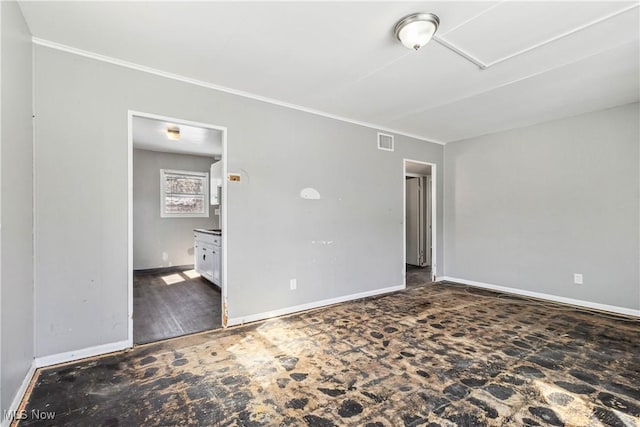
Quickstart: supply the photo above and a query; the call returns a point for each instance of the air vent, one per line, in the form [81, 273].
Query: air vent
[385, 142]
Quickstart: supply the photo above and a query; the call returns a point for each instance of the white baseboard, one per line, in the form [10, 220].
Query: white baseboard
[288, 310]
[17, 399]
[549, 297]
[71, 356]
[55, 359]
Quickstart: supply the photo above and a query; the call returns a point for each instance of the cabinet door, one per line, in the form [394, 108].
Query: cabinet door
[198, 258]
[208, 258]
[216, 265]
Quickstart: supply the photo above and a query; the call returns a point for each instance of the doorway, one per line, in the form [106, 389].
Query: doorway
[176, 211]
[419, 233]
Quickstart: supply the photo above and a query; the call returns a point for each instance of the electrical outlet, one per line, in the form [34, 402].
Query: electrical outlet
[293, 284]
[577, 278]
[216, 211]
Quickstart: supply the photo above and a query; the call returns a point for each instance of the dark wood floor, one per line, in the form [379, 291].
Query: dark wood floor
[171, 304]
[437, 354]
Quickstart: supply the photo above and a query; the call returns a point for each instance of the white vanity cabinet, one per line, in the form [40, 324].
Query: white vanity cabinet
[207, 255]
[204, 260]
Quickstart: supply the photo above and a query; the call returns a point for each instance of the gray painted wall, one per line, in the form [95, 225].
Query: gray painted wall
[529, 207]
[348, 242]
[163, 242]
[16, 240]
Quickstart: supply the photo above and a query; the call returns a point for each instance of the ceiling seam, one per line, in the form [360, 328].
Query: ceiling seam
[365, 76]
[150, 70]
[472, 18]
[463, 53]
[382, 67]
[565, 34]
[528, 76]
[483, 66]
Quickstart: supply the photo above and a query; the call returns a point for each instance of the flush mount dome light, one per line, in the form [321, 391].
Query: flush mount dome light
[173, 132]
[414, 31]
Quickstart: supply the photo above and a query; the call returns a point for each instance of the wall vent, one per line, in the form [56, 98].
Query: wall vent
[385, 142]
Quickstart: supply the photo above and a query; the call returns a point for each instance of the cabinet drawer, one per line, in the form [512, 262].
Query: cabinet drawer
[207, 238]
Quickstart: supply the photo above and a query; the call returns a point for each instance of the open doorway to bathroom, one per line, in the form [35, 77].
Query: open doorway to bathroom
[419, 214]
[175, 227]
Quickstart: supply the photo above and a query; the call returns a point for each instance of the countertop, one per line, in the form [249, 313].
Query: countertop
[215, 232]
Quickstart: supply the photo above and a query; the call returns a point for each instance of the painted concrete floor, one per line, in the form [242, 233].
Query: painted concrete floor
[431, 355]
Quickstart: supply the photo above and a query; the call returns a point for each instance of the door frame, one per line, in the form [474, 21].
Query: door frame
[422, 214]
[223, 211]
[434, 228]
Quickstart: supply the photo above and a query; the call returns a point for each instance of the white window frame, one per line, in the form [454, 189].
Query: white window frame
[164, 213]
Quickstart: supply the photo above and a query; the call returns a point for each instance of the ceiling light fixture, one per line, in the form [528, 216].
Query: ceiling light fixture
[173, 132]
[415, 30]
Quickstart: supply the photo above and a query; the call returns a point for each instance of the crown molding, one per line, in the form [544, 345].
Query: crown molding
[208, 85]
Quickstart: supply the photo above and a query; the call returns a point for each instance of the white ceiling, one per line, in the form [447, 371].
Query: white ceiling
[151, 134]
[341, 57]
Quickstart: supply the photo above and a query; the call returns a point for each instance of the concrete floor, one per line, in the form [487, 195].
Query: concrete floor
[436, 355]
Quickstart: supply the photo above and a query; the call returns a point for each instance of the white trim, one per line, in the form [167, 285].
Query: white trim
[483, 65]
[34, 201]
[434, 217]
[130, 115]
[17, 399]
[563, 35]
[163, 198]
[71, 356]
[223, 130]
[466, 21]
[428, 180]
[404, 223]
[1, 56]
[184, 79]
[483, 91]
[422, 181]
[463, 53]
[303, 307]
[548, 297]
[222, 221]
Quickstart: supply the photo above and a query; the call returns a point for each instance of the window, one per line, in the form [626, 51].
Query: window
[184, 194]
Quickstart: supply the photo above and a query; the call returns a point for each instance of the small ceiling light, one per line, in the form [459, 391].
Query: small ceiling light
[414, 31]
[173, 132]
